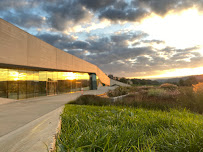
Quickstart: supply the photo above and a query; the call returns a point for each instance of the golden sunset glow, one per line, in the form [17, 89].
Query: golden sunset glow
[15, 75]
[176, 73]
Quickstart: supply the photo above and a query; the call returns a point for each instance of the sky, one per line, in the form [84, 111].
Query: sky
[126, 38]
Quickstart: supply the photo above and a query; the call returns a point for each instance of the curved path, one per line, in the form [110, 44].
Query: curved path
[30, 125]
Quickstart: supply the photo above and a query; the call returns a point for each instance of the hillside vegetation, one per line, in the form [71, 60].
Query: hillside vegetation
[114, 129]
[164, 118]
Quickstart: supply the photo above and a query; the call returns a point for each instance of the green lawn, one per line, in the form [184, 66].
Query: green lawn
[110, 128]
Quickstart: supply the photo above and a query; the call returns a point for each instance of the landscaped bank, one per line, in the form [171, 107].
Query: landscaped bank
[111, 128]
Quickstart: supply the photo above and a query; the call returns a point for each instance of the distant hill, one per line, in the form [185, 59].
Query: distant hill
[177, 79]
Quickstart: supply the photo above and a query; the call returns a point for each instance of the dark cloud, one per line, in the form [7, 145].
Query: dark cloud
[8, 4]
[80, 45]
[162, 7]
[131, 36]
[64, 13]
[153, 41]
[20, 13]
[124, 15]
[60, 41]
[121, 5]
[139, 9]
[25, 19]
[97, 4]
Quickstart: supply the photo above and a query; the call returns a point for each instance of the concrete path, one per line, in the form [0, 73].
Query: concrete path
[29, 125]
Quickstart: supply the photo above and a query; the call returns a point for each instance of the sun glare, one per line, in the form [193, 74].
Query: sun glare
[179, 30]
[70, 76]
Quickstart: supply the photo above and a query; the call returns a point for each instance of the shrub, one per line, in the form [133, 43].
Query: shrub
[91, 100]
[144, 88]
[190, 100]
[198, 88]
[169, 86]
[156, 92]
[198, 91]
[118, 91]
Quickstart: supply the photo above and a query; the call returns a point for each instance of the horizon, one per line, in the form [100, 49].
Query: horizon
[131, 38]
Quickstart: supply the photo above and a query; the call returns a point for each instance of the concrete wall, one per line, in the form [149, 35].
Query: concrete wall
[18, 47]
[114, 82]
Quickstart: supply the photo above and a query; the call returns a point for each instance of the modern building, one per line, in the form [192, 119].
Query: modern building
[30, 67]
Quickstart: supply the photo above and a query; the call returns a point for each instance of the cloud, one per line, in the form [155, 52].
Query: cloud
[124, 15]
[60, 41]
[63, 14]
[25, 19]
[121, 52]
[162, 7]
[80, 45]
[5, 4]
[137, 10]
[113, 55]
[67, 13]
[97, 4]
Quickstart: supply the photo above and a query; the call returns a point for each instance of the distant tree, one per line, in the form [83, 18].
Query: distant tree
[181, 82]
[110, 76]
[124, 80]
[143, 82]
[135, 81]
[116, 78]
[190, 81]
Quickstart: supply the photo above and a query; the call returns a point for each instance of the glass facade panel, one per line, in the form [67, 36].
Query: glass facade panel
[73, 84]
[55, 76]
[42, 88]
[21, 84]
[22, 89]
[49, 76]
[36, 75]
[12, 75]
[3, 74]
[3, 89]
[22, 75]
[13, 89]
[3, 83]
[42, 76]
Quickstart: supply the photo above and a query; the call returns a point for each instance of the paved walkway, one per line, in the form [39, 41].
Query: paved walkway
[29, 125]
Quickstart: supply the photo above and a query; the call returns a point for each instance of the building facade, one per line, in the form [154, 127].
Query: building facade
[30, 67]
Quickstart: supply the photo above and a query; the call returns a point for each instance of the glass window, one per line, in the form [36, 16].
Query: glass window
[55, 76]
[21, 84]
[13, 89]
[36, 75]
[42, 88]
[3, 82]
[30, 75]
[73, 85]
[78, 85]
[12, 75]
[22, 75]
[22, 89]
[49, 76]
[3, 89]
[42, 76]
[36, 88]
[3, 74]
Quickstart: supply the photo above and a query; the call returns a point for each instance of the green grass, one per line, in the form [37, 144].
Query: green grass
[115, 129]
